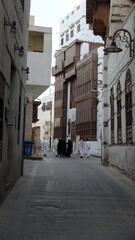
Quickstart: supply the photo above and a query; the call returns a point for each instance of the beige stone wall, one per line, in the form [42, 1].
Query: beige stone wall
[32, 20]
[36, 140]
[28, 121]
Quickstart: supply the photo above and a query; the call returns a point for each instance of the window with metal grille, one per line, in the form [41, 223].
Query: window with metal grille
[35, 111]
[128, 101]
[112, 115]
[94, 128]
[83, 130]
[119, 130]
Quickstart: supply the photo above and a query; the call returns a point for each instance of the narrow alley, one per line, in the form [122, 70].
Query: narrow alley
[69, 199]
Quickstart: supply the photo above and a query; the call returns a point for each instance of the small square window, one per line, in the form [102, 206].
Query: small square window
[62, 41]
[78, 28]
[72, 33]
[67, 37]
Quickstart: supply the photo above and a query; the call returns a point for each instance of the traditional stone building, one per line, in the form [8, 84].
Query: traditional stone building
[75, 109]
[86, 97]
[14, 20]
[76, 78]
[74, 26]
[116, 20]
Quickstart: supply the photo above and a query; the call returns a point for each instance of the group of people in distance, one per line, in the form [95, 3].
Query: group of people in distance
[63, 149]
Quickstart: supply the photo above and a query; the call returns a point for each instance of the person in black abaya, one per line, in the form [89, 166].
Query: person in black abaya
[69, 148]
[63, 151]
[59, 148]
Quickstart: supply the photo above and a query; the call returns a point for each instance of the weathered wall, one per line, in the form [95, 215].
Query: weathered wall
[28, 121]
[122, 155]
[14, 91]
[123, 158]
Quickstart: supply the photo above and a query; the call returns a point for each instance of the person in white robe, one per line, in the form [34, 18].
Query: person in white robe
[81, 148]
[45, 145]
[55, 145]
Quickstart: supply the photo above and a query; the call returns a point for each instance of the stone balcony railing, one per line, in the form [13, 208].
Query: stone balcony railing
[71, 60]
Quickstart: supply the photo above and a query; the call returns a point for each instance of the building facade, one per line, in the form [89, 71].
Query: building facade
[86, 97]
[75, 109]
[75, 74]
[74, 26]
[39, 63]
[60, 105]
[14, 20]
[118, 135]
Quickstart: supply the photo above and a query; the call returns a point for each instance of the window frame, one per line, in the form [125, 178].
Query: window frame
[112, 115]
[128, 106]
[119, 123]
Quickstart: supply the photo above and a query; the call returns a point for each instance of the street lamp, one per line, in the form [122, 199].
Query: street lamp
[27, 71]
[20, 50]
[124, 36]
[12, 25]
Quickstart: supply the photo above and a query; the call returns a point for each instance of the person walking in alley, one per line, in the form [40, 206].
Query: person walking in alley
[59, 148]
[81, 148]
[45, 145]
[87, 148]
[69, 148]
[63, 148]
[55, 144]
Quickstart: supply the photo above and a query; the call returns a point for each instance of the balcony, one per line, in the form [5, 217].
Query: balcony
[71, 60]
[57, 68]
[70, 71]
[97, 15]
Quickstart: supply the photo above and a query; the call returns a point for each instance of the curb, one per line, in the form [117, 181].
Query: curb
[33, 158]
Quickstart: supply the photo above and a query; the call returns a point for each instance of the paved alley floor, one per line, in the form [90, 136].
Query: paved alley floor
[69, 199]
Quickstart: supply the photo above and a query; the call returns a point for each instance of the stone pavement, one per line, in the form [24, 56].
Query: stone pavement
[69, 199]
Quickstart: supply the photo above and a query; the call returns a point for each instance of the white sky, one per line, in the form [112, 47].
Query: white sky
[50, 13]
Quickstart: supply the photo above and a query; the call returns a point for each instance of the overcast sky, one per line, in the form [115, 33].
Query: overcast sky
[50, 13]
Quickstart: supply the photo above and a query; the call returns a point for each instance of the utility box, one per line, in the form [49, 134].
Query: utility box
[28, 148]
